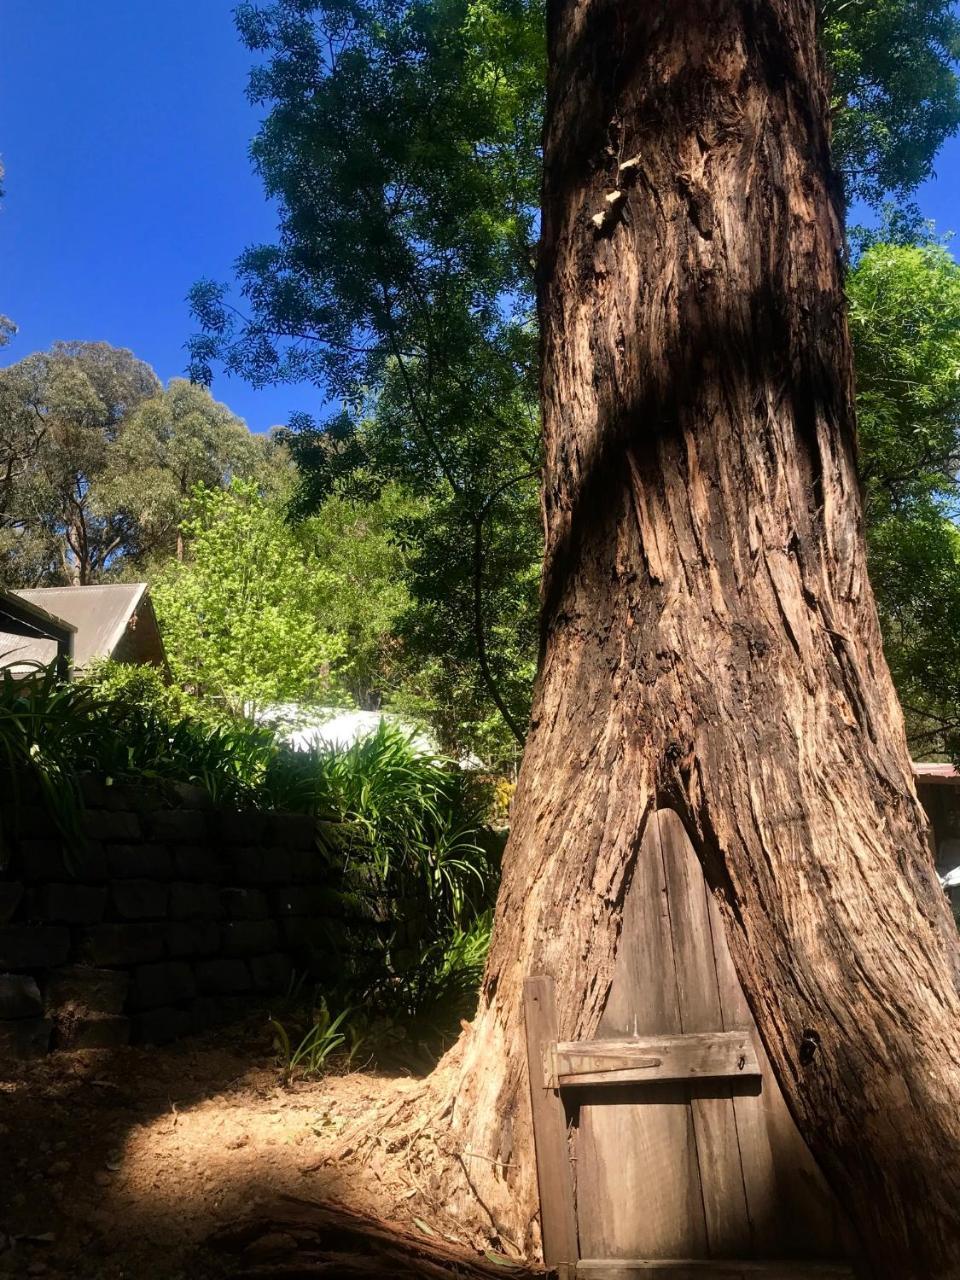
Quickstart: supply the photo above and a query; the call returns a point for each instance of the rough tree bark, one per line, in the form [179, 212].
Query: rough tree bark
[710, 641]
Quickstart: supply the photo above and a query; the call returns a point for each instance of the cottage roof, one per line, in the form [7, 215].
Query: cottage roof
[111, 620]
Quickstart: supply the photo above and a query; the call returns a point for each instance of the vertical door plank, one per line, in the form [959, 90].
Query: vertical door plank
[715, 1126]
[558, 1221]
[792, 1210]
[750, 1110]
[638, 1185]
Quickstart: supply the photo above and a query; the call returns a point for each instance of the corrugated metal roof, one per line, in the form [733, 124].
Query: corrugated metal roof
[29, 634]
[931, 771]
[43, 617]
[21, 653]
[100, 614]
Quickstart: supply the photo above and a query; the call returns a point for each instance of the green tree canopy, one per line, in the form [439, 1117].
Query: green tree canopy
[896, 96]
[905, 324]
[97, 461]
[403, 148]
[171, 443]
[915, 572]
[239, 613]
[364, 592]
[72, 402]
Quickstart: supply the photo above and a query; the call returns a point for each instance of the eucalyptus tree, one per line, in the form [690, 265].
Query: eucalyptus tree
[98, 460]
[22, 551]
[172, 442]
[74, 400]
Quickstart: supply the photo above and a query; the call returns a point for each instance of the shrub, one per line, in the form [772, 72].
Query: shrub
[407, 822]
[412, 816]
[48, 730]
[121, 725]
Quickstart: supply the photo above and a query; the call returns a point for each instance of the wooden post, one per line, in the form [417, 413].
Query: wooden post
[558, 1219]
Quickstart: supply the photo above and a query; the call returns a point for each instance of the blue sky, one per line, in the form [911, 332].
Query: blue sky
[124, 130]
[939, 196]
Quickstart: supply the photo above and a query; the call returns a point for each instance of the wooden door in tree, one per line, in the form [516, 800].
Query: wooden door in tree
[686, 1150]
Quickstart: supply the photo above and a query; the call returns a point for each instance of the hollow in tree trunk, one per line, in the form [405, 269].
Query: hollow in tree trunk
[709, 637]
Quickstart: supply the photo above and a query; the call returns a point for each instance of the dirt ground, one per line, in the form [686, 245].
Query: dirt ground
[121, 1164]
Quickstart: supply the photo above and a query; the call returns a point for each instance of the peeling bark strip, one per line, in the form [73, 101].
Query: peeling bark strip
[709, 637]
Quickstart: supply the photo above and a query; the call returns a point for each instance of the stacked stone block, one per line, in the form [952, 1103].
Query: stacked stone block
[166, 919]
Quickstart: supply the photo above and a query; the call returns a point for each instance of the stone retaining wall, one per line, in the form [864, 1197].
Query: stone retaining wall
[167, 920]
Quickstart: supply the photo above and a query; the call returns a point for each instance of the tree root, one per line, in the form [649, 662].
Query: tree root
[417, 1147]
[292, 1238]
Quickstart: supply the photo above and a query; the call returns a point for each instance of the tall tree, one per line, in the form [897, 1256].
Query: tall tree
[97, 462]
[402, 142]
[171, 443]
[21, 433]
[80, 393]
[402, 145]
[704, 551]
[709, 637]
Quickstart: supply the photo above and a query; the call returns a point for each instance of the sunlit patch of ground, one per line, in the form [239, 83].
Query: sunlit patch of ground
[118, 1164]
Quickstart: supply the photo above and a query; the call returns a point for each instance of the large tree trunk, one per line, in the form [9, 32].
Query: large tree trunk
[710, 641]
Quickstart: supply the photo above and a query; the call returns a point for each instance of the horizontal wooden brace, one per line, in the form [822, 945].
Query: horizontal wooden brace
[705, 1055]
[708, 1269]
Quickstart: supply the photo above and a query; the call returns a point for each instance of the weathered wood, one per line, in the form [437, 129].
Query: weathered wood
[290, 1237]
[650, 1203]
[647, 1059]
[767, 1210]
[709, 638]
[708, 1269]
[714, 1122]
[792, 1210]
[738, 1173]
[751, 1205]
[558, 1220]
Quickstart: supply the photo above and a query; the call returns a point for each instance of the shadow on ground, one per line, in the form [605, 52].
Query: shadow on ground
[138, 1164]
